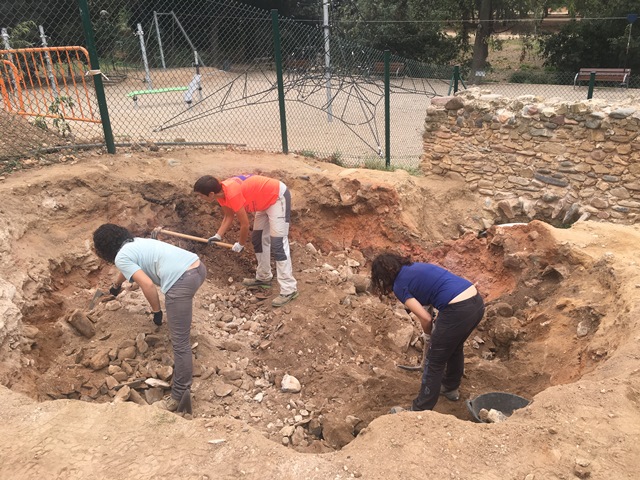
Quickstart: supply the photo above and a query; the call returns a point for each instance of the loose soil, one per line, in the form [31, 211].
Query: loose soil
[561, 329]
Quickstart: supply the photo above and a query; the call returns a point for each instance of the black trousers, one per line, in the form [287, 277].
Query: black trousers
[445, 358]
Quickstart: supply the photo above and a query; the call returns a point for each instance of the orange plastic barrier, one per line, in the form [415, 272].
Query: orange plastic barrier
[48, 82]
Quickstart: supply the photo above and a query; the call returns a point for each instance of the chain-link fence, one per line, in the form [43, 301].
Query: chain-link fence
[218, 72]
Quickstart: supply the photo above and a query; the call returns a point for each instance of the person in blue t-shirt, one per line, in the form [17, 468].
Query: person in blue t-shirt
[422, 287]
[178, 273]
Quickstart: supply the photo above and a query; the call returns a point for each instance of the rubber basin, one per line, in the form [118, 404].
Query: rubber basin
[504, 402]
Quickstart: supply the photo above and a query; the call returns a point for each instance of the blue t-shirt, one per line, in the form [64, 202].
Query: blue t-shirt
[429, 284]
[163, 263]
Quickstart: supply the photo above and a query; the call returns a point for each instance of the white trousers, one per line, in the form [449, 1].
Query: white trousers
[271, 233]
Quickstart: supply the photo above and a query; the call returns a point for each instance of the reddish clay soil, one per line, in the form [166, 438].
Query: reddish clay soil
[560, 330]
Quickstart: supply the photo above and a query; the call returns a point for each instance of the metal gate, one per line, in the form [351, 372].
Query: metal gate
[48, 82]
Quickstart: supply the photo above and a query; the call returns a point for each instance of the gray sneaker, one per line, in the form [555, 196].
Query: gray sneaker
[168, 403]
[453, 395]
[254, 283]
[281, 300]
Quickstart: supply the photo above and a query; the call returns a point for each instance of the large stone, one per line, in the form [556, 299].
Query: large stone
[401, 338]
[337, 433]
[99, 360]
[81, 323]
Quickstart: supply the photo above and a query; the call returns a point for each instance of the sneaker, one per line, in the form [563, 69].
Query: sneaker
[398, 409]
[252, 283]
[281, 300]
[168, 403]
[453, 395]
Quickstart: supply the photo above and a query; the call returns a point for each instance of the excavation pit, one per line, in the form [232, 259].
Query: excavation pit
[553, 314]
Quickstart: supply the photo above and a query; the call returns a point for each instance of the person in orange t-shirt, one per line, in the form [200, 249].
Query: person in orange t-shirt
[270, 201]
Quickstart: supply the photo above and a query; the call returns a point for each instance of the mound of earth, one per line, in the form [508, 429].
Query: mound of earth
[21, 138]
[79, 372]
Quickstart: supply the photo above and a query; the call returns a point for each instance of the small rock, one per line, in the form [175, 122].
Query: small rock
[135, 397]
[290, 384]
[153, 395]
[122, 395]
[222, 390]
[154, 382]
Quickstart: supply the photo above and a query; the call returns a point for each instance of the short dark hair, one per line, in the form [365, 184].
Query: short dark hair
[385, 269]
[108, 239]
[207, 184]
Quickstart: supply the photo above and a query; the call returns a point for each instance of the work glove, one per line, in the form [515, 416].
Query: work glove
[115, 290]
[237, 247]
[155, 232]
[157, 317]
[214, 239]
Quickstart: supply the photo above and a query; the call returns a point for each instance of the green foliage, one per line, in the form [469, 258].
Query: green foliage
[600, 44]
[336, 159]
[402, 32]
[25, 35]
[57, 108]
[377, 163]
[41, 122]
[308, 153]
[531, 76]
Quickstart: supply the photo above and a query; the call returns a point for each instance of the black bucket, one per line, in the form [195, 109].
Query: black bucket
[503, 402]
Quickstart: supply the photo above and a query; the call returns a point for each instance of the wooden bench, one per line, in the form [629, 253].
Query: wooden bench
[395, 68]
[619, 75]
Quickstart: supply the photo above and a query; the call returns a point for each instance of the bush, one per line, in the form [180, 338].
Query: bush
[530, 76]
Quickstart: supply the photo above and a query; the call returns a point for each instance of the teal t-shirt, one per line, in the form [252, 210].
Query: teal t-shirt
[162, 262]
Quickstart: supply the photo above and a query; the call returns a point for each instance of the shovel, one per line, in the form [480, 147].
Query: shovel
[188, 237]
[96, 296]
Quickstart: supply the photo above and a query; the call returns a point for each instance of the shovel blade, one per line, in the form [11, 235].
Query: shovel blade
[96, 296]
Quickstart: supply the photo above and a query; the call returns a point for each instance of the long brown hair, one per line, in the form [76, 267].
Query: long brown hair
[384, 270]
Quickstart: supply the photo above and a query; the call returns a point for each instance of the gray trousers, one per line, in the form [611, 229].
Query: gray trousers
[179, 305]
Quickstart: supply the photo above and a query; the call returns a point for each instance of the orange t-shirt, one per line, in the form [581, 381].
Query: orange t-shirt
[256, 193]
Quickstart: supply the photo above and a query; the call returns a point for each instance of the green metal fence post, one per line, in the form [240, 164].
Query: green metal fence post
[278, 57]
[592, 82]
[97, 76]
[387, 110]
[456, 78]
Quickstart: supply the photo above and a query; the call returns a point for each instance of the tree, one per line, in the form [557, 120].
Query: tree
[603, 38]
[406, 27]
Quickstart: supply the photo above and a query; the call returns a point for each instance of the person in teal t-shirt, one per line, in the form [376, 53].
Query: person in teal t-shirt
[179, 274]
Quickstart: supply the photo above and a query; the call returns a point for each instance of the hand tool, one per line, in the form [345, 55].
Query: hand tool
[96, 296]
[191, 237]
[425, 349]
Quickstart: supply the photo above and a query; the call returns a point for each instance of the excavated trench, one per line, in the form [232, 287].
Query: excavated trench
[339, 341]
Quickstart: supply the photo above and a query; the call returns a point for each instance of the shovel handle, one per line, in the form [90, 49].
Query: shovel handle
[195, 239]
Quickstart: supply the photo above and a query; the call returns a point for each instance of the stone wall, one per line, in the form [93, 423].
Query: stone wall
[529, 157]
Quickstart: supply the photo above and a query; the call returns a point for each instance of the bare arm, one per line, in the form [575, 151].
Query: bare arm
[243, 219]
[119, 280]
[226, 221]
[148, 289]
[426, 320]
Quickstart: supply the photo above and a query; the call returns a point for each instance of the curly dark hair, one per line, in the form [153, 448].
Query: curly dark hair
[108, 239]
[207, 184]
[384, 270]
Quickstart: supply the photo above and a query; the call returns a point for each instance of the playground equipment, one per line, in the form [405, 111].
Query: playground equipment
[196, 82]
